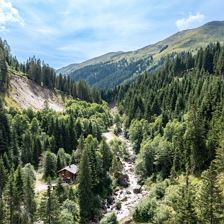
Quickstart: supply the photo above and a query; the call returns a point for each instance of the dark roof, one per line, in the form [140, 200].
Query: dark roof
[71, 168]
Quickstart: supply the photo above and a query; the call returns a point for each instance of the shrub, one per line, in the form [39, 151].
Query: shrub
[110, 218]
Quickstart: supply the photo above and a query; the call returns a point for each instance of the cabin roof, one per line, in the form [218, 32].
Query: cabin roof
[71, 168]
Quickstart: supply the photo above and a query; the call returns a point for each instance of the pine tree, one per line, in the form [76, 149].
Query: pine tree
[3, 176]
[2, 210]
[77, 154]
[195, 142]
[3, 71]
[85, 188]
[18, 194]
[220, 64]
[49, 207]
[4, 132]
[15, 151]
[211, 201]
[50, 165]
[37, 149]
[185, 212]
[27, 148]
[106, 155]
[91, 145]
[9, 200]
[3, 181]
[29, 200]
[61, 159]
[61, 191]
[219, 160]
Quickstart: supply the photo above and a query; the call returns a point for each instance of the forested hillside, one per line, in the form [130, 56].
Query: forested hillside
[43, 75]
[49, 140]
[36, 144]
[175, 121]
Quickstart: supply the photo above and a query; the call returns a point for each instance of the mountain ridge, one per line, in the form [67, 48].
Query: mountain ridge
[102, 71]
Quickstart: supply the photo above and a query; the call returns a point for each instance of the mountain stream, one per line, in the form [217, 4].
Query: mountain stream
[130, 196]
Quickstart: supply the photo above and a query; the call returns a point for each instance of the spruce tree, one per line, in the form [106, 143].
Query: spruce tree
[27, 148]
[211, 201]
[50, 165]
[49, 207]
[9, 200]
[4, 132]
[106, 155]
[185, 211]
[29, 200]
[3, 71]
[3, 176]
[85, 188]
[18, 194]
[91, 146]
[2, 210]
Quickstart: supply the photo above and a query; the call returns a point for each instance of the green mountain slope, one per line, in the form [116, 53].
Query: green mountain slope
[115, 68]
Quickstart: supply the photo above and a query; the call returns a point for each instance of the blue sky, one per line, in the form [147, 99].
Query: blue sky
[62, 32]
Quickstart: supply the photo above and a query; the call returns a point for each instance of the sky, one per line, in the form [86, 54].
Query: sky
[62, 32]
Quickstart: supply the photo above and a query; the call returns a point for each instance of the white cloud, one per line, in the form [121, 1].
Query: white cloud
[9, 14]
[185, 23]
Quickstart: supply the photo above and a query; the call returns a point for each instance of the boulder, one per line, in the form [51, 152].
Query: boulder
[110, 200]
[124, 199]
[123, 180]
[130, 159]
[137, 189]
[118, 205]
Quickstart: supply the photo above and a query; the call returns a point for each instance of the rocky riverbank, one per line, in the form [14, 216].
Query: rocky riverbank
[124, 199]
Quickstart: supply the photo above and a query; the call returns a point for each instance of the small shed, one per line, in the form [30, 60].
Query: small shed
[68, 173]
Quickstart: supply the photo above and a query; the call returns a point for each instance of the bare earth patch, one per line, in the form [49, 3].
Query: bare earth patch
[28, 94]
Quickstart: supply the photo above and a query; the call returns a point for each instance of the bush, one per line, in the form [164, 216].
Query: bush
[145, 211]
[110, 218]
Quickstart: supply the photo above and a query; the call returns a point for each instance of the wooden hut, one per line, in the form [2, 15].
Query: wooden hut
[68, 173]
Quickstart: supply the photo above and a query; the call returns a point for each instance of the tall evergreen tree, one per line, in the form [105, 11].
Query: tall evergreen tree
[3, 71]
[85, 188]
[18, 194]
[211, 201]
[29, 200]
[50, 165]
[49, 207]
[9, 199]
[185, 212]
[27, 148]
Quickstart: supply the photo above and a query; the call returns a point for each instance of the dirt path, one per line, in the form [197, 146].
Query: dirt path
[128, 197]
[40, 185]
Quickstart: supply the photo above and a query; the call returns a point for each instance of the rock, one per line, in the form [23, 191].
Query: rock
[110, 200]
[123, 180]
[128, 192]
[137, 189]
[140, 181]
[124, 199]
[118, 205]
[117, 189]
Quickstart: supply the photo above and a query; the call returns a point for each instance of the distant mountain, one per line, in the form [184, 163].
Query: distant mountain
[115, 68]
